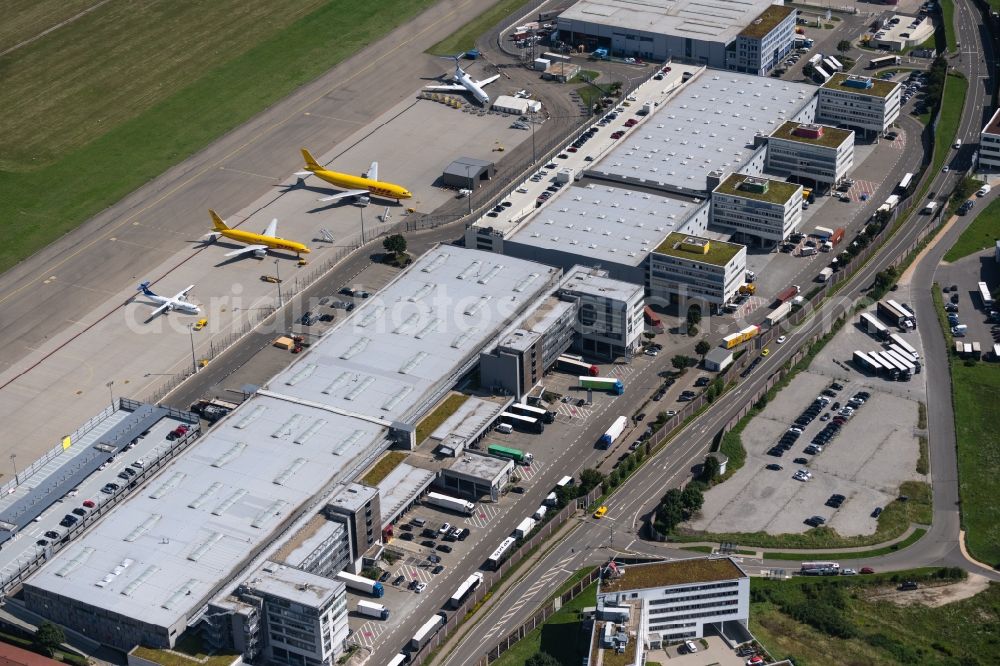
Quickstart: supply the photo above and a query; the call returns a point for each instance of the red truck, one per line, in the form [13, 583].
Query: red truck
[837, 236]
[787, 293]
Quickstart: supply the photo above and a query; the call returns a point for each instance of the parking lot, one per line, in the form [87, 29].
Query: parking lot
[875, 450]
[965, 274]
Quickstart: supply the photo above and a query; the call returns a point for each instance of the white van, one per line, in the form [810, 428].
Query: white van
[983, 191]
[958, 144]
[505, 428]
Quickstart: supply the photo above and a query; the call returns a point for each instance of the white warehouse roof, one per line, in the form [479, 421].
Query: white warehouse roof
[709, 125]
[605, 223]
[705, 20]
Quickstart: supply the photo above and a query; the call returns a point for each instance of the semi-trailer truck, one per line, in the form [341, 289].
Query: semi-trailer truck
[824, 274]
[778, 313]
[524, 528]
[516, 455]
[372, 609]
[787, 293]
[372, 587]
[426, 632]
[610, 384]
[614, 432]
[455, 504]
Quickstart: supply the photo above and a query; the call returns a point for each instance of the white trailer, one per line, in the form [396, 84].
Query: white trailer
[824, 274]
[399, 660]
[360, 583]
[463, 591]
[614, 432]
[425, 633]
[899, 340]
[985, 295]
[892, 201]
[455, 504]
[551, 499]
[372, 609]
[540, 512]
[930, 207]
[524, 528]
[778, 313]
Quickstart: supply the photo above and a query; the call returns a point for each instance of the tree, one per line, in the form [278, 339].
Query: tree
[691, 500]
[680, 361]
[808, 70]
[702, 348]
[710, 469]
[694, 315]
[395, 243]
[49, 637]
[590, 479]
[541, 659]
[844, 45]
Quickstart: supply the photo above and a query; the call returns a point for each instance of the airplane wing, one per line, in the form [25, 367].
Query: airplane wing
[182, 294]
[244, 250]
[159, 310]
[272, 229]
[445, 88]
[348, 193]
[372, 173]
[487, 81]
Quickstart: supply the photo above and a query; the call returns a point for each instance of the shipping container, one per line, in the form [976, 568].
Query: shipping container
[455, 504]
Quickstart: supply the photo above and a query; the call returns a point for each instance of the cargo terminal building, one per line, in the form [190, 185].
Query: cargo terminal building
[188, 542]
[710, 34]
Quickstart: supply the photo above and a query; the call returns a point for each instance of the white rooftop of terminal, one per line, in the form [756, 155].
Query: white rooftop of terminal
[295, 585]
[471, 417]
[605, 223]
[708, 126]
[386, 360]
[704, 20]
[159, 554]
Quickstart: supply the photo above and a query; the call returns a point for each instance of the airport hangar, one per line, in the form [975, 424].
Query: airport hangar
[752, 36]
[220, 508]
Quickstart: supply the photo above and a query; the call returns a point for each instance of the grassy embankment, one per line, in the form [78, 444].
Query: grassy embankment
[121, 94]
[561, 636]
[465, 37]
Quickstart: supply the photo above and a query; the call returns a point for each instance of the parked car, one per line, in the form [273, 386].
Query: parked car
[398, 580]
[438, 569]
[52, 534]
[444, 548]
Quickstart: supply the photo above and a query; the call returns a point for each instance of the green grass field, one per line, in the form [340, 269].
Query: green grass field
[112, 100]
[948, 18]
[982, 234]
[465, 37]
[914, 537]
[24, 19]
[561, 636]
[952, 102]
[978, 455]
[822, 622]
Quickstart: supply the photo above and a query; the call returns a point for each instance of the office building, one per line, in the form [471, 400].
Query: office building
[764, 43]
[859, 102]
[816, 154]
[609, 313]
[989, 144]
[321, 547]
[686, 268]
[475, 475]
[757, 210]
[357, 506]
[661, 30]
[678, 599]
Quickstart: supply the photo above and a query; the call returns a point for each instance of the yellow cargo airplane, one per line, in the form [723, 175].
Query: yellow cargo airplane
[259, 244]
[356, 186]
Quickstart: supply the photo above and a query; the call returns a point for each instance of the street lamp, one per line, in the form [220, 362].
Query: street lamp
[277, 276]
[194, 364]
[12, 457]
[111, 392]
[468, 178]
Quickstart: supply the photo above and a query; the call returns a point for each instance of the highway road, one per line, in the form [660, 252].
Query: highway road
[591, 542]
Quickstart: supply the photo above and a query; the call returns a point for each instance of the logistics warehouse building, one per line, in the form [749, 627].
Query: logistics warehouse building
[696, 31]
[161, 557]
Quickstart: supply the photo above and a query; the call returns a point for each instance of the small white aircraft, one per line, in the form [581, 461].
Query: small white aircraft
[467, 83]
[178, 302]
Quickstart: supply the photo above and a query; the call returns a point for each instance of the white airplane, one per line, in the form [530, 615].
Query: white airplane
[178, 302]
[466, 82]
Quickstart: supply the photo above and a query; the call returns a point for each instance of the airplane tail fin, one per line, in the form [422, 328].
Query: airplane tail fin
[311, 163]
[217, 221]
[144, 288]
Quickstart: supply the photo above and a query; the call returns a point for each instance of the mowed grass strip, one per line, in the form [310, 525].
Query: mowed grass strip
[465, 37]
[562, 635]
[24, 19]
[974, 391]
[952, 103]
[982, 234]
[240, 77]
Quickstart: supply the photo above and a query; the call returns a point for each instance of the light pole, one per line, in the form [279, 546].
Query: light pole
[533, 135]
[111, 392]
[12, 462]
[468, 177]
[194, 364]
[362, 209]
[277, 276]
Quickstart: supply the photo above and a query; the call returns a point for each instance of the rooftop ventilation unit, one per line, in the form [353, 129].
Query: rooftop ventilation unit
[254, 414]
[359, 388]
[142, 528]
[274, 509]
[474, 309]
[182, 592]
[287, 427]
[436, 262]
[359, 346]
[150, 571]
[289, 471]
[408, 323]
[431, 326]
[351, 440]
[470, 270]
[316, 426]
[235, 450]
[394, 400]
[491, 274]
[525, 282]
[337, 383]
[201, 499]
[420, 293]
[168, 485]
[371, 315]
[413, 363]
[79, 560]
[460, 341]
[237, 495]
[203, 547]
[304, 373]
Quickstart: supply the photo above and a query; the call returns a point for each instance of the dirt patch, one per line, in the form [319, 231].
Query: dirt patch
[933, 595]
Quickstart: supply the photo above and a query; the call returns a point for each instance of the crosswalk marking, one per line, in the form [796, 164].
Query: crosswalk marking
[860, 187]
[369, 632]
[571, 411]
[483, 515]
[529, 471]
